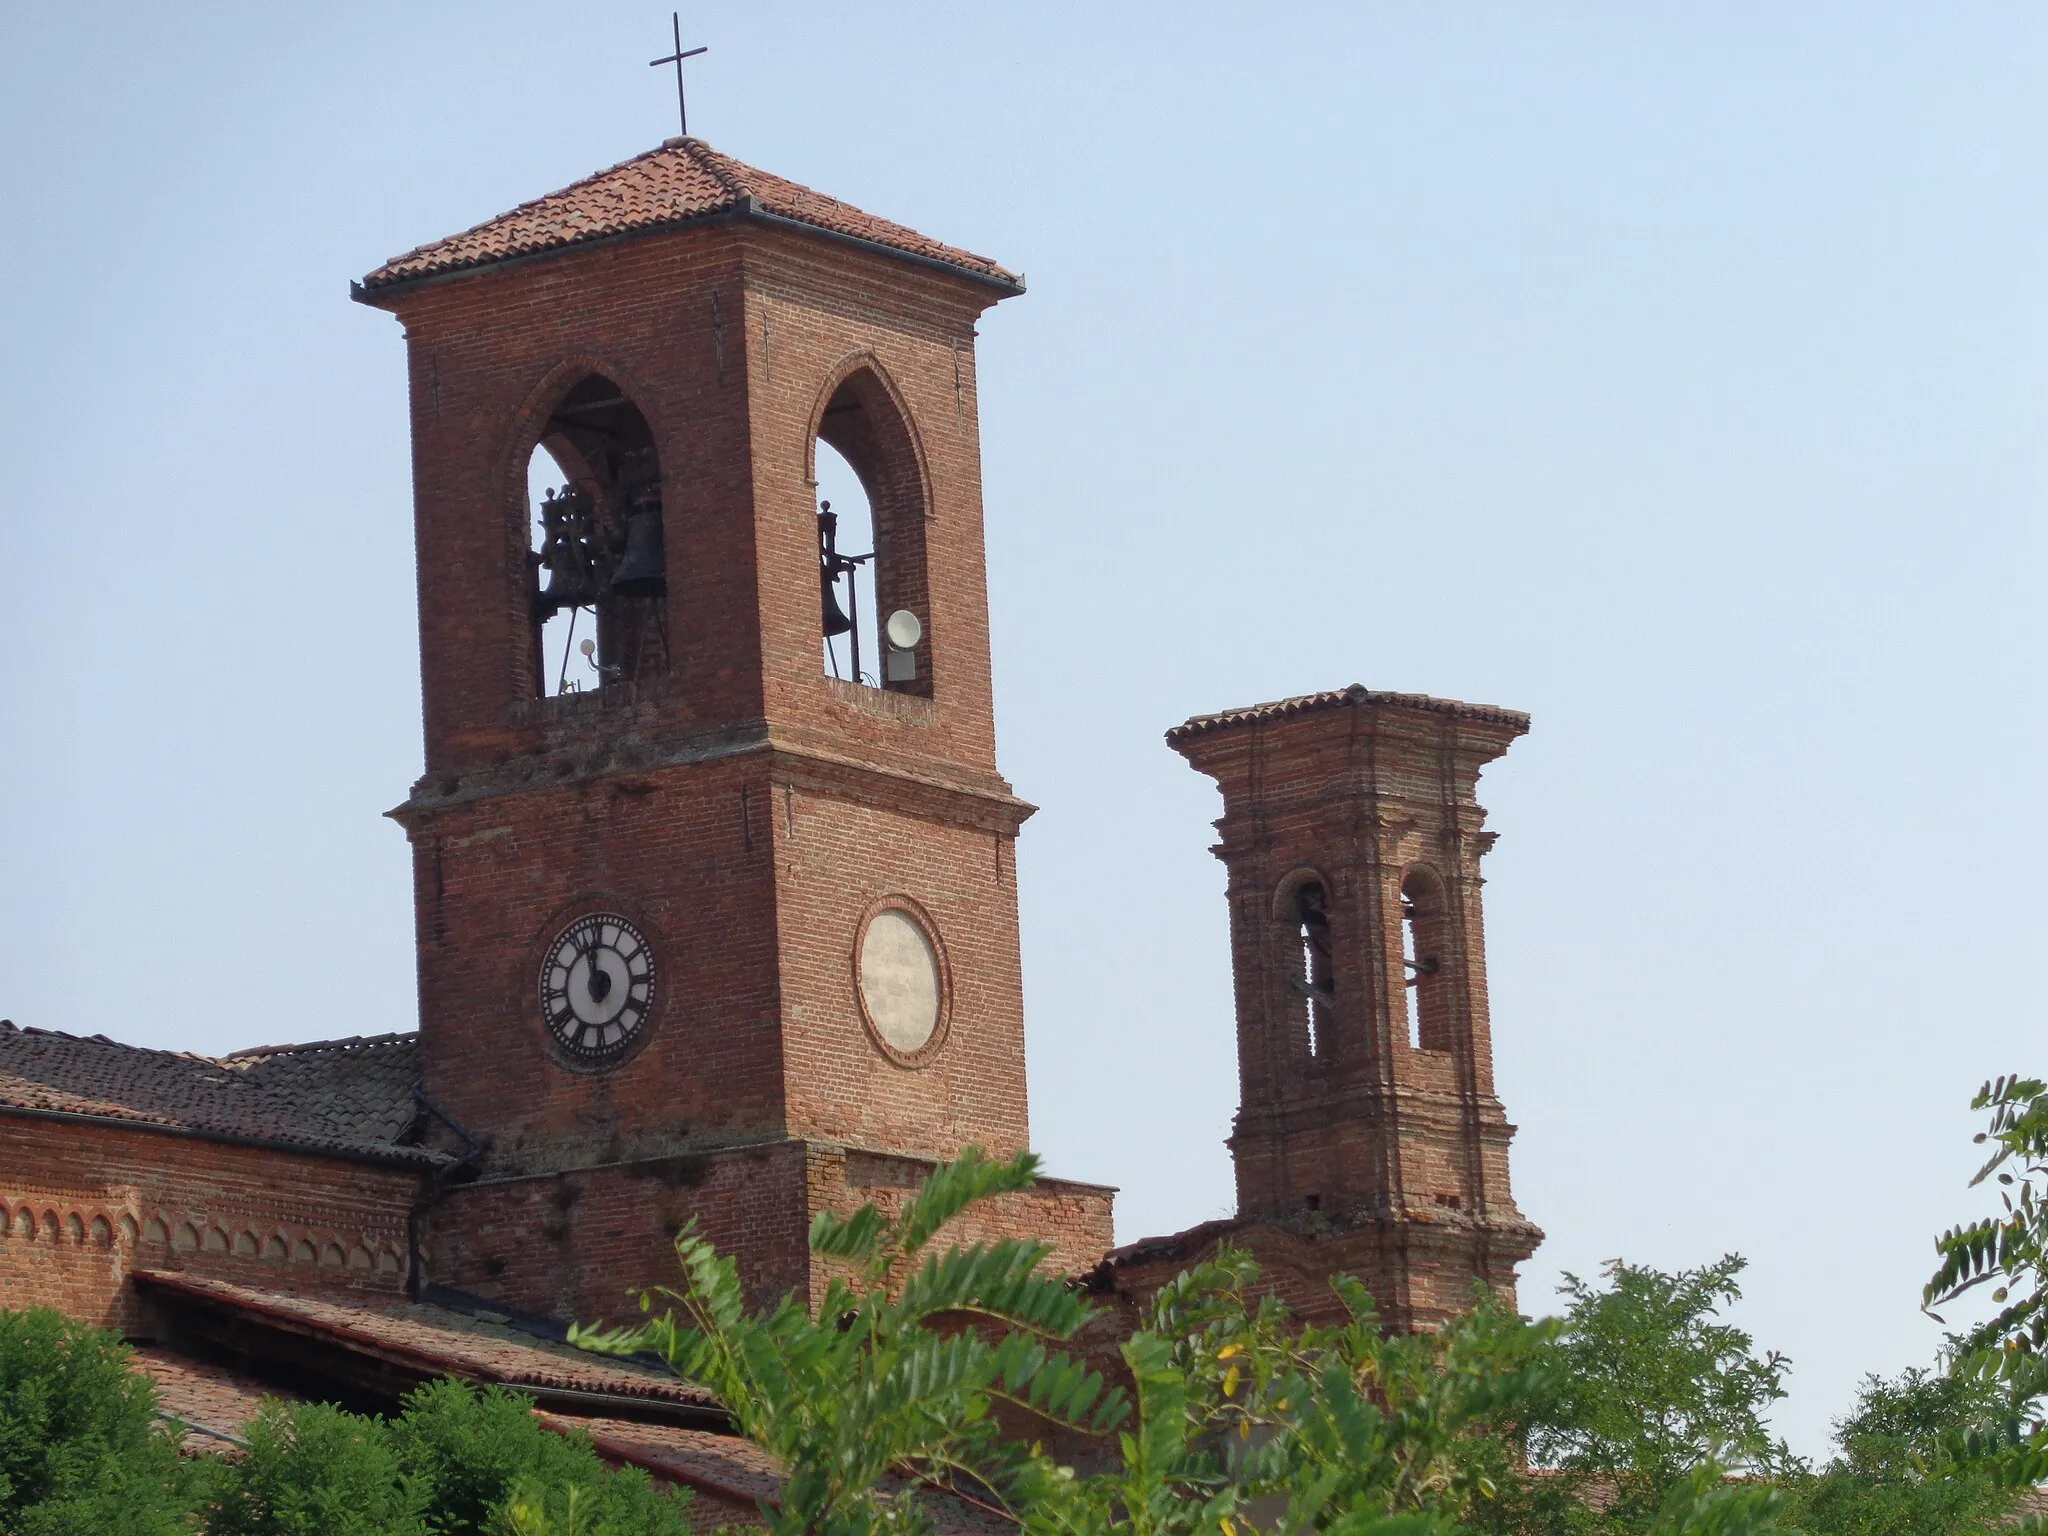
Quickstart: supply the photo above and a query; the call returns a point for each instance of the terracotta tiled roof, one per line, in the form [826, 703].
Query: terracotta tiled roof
[733, 1470]
[1345, 698]
[438, 1341]
[352, 1097]
[208, 1402]
[739, 1474]
[684, 180]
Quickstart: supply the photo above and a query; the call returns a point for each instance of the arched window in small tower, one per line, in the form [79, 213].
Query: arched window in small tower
[1424, 936]
[1314, 976]
[598, 566]
[873, 588]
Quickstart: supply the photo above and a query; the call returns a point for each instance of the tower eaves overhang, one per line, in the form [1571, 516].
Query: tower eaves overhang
[683, 184]
[1346, 698]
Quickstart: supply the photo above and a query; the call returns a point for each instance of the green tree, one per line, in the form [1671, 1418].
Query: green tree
[1895, 1472]
[1242, 1419]
[1659, 1401]
[470, 1449]
[891, 1387]
[2007, 1252]
[1247, 1417]
[314, 1470]
[82, 1449]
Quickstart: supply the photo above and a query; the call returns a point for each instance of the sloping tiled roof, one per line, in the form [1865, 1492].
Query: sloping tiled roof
[209, 1403]
[438, 1341]
[684, 180]
[1343, 698]
[352, 1097]
[633, 1413]
[733, 1470]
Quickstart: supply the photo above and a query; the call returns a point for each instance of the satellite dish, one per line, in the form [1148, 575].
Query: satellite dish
[588, 647]
[903, 630]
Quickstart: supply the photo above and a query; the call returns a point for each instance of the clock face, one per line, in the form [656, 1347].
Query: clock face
[597, 987]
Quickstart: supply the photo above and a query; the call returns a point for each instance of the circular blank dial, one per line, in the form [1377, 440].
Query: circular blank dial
[597, 986]
[899, 980]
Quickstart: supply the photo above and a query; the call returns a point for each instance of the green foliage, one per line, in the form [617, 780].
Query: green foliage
[1243, 1420]
[2009, 1253]
[1896, 1473]
[470, 1448]
[449, 1465]
[1639, 1413]
[1659, 1399]
[893, 1384]
[1246, 1416]
[81, 1447]
[1655, 1381]
[535, 1509]
[313, 1470]
[83, 1452]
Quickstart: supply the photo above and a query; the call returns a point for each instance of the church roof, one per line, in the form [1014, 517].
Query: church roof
[683, 181]
[422, 1339]
[352, 1097]
[1345, 698]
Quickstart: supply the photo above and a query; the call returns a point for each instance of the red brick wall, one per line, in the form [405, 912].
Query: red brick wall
[1394, 1151]
[86, 1205]
[671, 848]
[748, 808]
[580, 1245]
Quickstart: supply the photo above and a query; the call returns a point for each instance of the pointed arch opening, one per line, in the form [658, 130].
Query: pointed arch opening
[597, 557]
[874, 588]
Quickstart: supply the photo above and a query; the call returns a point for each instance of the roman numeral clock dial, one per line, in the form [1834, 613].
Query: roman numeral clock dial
[597, 988]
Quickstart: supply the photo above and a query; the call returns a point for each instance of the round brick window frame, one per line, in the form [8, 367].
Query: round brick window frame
[943, 1028]
[527, 984]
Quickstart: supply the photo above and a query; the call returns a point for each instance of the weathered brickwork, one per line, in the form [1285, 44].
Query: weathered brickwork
[1369, 1139]
[345, 1217]
[86, 1206]
[583, 1243]
[744, 806]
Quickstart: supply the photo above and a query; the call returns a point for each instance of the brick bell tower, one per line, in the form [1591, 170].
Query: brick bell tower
[719, 935]
[1368, 1139]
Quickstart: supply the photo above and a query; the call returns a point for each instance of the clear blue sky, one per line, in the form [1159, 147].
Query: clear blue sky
[1673, 372]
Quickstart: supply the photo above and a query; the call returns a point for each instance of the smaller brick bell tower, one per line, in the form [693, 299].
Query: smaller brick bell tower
[1369, 1139]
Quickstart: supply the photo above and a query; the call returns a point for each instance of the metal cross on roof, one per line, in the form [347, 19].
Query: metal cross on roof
[676, 58]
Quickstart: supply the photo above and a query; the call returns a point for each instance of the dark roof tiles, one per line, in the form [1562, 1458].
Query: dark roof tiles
[440, 1341]
[352, 1097]
[685, 179]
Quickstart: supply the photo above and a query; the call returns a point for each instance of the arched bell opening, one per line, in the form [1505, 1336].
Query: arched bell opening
[1425, 944]
[846, 555]
[597, 561]
[1301, 906]
[874, 589]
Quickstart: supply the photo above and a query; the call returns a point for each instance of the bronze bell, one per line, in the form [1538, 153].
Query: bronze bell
[643, 567]
[565, 552]
[836, 621]
[831, 565]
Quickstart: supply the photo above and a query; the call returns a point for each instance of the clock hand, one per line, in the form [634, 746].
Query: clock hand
[600, 978]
